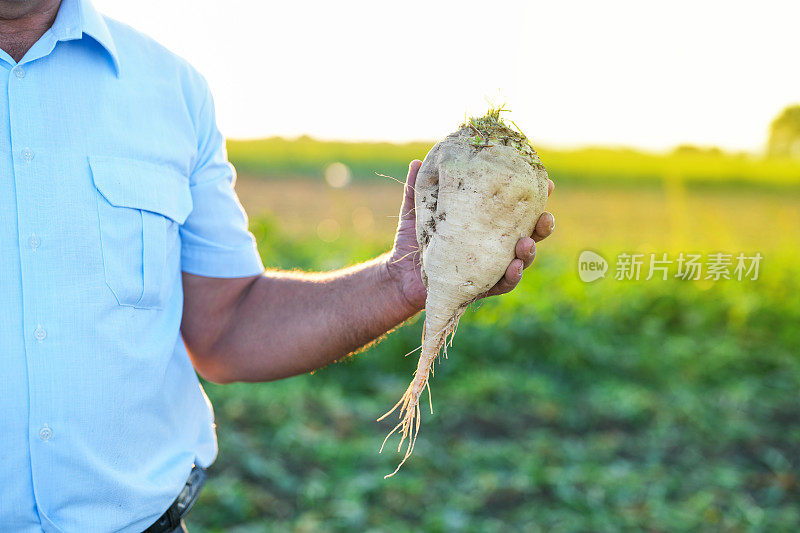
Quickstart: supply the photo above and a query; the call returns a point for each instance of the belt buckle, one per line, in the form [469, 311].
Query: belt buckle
[171, 519]
[190, 491]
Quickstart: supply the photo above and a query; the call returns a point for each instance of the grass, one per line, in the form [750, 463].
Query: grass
[491, 129]
[307, 158]
[564, 406]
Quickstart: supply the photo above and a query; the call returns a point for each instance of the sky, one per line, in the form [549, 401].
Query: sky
[622, 73]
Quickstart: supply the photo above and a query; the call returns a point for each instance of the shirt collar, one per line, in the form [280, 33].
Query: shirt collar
[78, 17]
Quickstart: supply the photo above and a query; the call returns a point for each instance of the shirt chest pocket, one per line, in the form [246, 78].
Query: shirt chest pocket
[140, 206]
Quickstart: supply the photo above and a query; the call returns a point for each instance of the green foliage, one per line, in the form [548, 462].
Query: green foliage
[784, 133]
[307, 158]
[491, 129]
[613, 406]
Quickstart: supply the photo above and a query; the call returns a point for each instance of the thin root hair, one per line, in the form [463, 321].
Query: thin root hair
[397, 180]
[409, 353]
[409, 414]
[406, 255]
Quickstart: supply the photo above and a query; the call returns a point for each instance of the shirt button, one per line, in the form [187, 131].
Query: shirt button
[45, 433]
[39, 333]
[27, 154]
[19, 72]
[34, 241]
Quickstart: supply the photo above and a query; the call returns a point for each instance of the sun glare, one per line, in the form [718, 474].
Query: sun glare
[574, 73]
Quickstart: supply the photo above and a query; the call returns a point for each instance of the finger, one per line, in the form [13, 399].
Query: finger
[544, 226]
[407, 210]
[509, 280]
[550, 186]
[526, 251]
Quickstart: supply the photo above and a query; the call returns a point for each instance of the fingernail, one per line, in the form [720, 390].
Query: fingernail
[519, 272]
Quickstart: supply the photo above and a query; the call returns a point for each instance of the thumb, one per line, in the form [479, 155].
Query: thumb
[407, 210]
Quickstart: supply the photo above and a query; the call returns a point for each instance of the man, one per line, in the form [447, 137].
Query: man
[126, 264]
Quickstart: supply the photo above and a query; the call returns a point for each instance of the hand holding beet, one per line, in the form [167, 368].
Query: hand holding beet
[479, 196]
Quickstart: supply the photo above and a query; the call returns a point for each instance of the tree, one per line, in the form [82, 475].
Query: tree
[784, 133]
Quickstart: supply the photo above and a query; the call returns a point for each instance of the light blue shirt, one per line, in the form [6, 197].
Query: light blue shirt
[113, 180]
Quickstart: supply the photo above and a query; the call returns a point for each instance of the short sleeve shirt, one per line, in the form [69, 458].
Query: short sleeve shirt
[113, 180]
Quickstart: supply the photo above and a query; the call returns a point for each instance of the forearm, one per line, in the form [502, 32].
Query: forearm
[289, 323]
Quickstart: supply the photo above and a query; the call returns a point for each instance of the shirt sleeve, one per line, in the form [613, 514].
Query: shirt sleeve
[215, 241]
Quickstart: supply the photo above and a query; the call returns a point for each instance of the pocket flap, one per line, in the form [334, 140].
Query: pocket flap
[142, 185]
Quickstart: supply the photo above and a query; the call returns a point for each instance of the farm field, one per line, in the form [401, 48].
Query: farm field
[564, 406]
[651, 218]
[306, 157]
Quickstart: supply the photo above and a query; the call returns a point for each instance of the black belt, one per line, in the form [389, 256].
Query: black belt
[171, 519]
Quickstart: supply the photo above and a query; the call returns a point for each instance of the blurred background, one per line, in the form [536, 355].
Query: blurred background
[658, 405]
